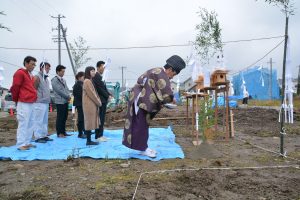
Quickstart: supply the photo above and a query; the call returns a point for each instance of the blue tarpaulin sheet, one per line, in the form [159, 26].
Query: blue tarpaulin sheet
[160, 139]
[232, 103]
[258, 83]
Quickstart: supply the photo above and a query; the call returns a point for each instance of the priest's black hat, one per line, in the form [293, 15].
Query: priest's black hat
[176, 62]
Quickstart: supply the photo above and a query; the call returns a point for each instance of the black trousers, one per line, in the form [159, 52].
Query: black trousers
[102, 113]
[80, 120]
[245, 100]
[61, 118]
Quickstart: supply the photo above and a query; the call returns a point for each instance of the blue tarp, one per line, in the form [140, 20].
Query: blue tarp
[258, 83]
[221, 102]
[177, 98]
[160, 139]
[235, 97]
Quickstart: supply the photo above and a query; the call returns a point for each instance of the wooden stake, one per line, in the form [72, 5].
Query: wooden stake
[231, 123]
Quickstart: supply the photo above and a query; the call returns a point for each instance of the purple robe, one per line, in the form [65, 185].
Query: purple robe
[153, 89]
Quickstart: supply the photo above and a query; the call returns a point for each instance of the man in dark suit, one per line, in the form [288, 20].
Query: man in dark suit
[103, 93]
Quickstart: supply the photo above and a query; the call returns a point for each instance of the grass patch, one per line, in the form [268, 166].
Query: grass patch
[266, 158]
[159, 177]
[264, 103]
[294, 154]
[292, 130]
[274, 102]
[109, 180]
[297, 104]
[31, 193]
[264, 133]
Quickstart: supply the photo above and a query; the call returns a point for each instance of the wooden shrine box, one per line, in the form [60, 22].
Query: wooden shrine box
[199, 83]
[218, 77]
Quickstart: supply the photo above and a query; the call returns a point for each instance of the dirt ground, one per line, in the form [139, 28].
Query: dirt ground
[216, 169]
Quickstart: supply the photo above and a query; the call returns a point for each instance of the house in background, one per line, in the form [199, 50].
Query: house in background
[174, 86]
[4, 97]
[189, 84]
[3, 92]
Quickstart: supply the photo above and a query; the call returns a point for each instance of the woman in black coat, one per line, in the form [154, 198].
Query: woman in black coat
[77, 93]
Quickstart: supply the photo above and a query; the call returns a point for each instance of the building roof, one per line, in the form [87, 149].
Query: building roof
[2, 88]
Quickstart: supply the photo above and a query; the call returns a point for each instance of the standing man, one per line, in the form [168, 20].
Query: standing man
[245, 96]
[41, 106]
[61, 99]
[24, 94]
[103, 93]
[152, 91]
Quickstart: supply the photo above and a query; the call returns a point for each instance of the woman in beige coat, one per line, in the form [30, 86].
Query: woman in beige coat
[90, 104]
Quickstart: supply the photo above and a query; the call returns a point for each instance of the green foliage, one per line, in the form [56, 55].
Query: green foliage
[2, 26]
[287, 6]
[254, 102]
[79, 51]
[206, 115]
[208, 39]
[74, 155]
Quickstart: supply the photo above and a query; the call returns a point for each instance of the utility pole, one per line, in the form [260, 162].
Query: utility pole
[282, 128]
[59, 39]
[298, 85]
[122, 68]
[64, 30]
[270, 81]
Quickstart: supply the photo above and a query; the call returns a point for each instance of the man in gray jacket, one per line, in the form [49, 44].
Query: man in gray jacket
[41, 106]
[61, 99]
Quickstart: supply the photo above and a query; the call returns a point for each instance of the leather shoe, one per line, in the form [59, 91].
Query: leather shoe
[47, 139]
[83, 136]
[92, 143]
[30, 146]
[66, 134]
[40, 140]
[61, 135]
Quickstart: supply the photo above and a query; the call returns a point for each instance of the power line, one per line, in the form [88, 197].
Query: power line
[28, 15]
[40, 8]
[48, 4]
[138, 47]
[259, 59]
[17, 66]
[257, 39]
[9, 63]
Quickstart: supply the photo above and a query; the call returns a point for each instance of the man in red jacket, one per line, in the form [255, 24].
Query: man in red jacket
[24, 94]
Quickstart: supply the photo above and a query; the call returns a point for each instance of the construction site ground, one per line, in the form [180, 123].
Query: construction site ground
[243, 167]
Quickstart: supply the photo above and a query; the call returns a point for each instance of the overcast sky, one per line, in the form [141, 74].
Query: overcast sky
[127, 23]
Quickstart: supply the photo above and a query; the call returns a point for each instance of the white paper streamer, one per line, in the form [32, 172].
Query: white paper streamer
[178, 84]
[1, 74]
[197, 121]
[287, 106]
[73, 109]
